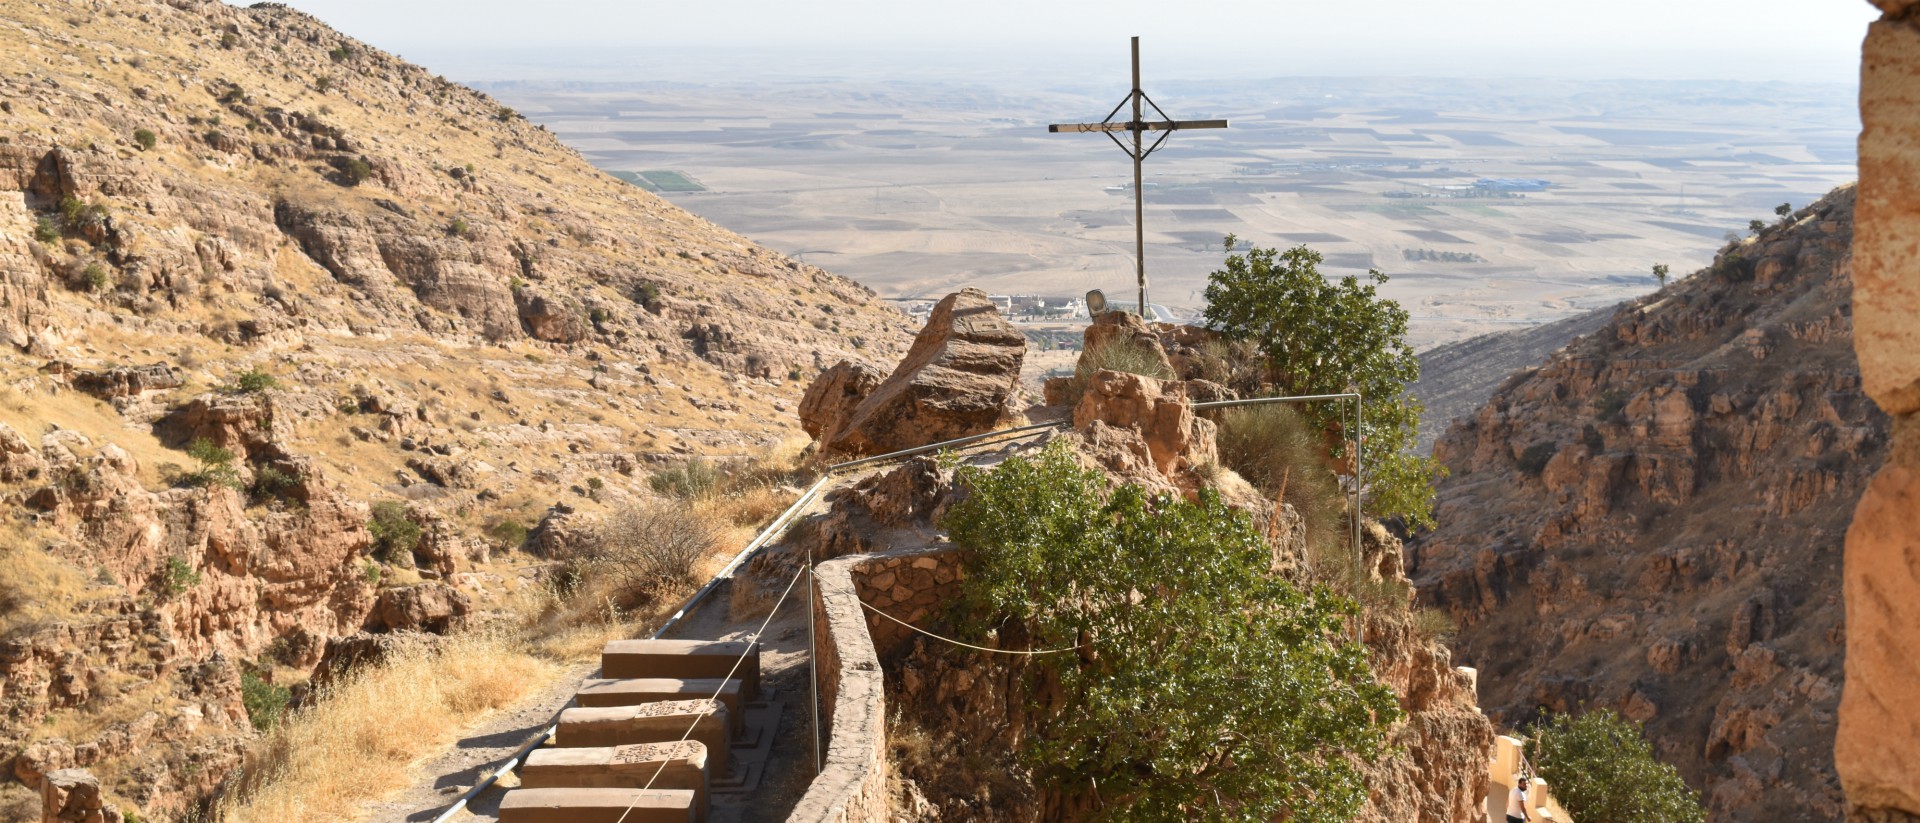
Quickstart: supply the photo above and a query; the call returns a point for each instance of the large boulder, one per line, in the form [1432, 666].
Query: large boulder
[959, 378]
[432, 607]
[74, 795]
[832, 397]
[1145, 430]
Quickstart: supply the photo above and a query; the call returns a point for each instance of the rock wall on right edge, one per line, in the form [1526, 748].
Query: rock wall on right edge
[1877, 750]
[1652, 520]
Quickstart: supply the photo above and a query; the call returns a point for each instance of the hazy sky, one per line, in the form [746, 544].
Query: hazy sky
[1680, 39]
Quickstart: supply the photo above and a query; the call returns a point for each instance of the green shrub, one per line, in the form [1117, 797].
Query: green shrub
[395, 535]
[1533, 461]
[216, 466]
[45, 231]
[1285, 456]
[511, 534]
[252, 381]
[229, 40]
[1321, 337]
[1207, 689]
[695, 478]
[341, 53]
[176, 577]
[271, 481]
[266, 702]
[459, 227]
[323, 83]
[356, 170]
[95, 278]
[599, 316]
[1602, 768]
[146, 139]
[372, 571]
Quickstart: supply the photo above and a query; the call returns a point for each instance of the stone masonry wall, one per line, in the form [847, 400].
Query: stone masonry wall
[852, 788]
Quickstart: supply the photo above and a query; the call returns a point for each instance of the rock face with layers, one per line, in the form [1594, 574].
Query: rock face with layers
[1878, 745]
[1651, 520]
[1144, 430]
[959, 378]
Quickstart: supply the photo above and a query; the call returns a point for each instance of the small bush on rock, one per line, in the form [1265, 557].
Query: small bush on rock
[1285, 456]
[146, 139]
[394, 534]
[251, 381]
[1534, 460]
[265, 701]
[216, 466]
[695, 478]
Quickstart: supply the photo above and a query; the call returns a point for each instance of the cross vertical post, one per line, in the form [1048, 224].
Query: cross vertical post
[1139, 193]
[1138, 152]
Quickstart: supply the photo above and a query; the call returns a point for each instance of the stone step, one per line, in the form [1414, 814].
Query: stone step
[623, 659]
[662, 722]
[602, 692]
[676, 765]
[598, 806]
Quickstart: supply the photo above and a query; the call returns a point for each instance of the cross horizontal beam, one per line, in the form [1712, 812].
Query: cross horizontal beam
[1150, 125]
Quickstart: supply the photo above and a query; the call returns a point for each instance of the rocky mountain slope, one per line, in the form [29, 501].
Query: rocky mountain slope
[255, 275]
[1457, 377]
[1652, 520]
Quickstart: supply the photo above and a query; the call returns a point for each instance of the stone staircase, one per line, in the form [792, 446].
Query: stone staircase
[666, 725]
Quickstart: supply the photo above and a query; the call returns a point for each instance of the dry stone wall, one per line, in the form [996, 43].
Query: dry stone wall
[907, 583]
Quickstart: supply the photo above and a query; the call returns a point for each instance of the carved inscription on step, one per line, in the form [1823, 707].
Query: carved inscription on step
[656, 752]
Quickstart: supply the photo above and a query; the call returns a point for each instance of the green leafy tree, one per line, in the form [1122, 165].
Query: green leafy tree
[252, 381]
[1321, 338]
[216, 465]
[1660, 271]
[146, 138]
[1756, 226]
[1602, 769]
[1783, 210]
[1206, 688]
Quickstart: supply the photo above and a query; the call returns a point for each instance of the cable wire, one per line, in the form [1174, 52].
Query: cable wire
[751, 642]
[871, 608]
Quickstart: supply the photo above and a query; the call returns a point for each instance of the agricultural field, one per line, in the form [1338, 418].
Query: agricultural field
[918, 187]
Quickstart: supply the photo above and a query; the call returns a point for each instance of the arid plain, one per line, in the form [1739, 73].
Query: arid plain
[915, 187]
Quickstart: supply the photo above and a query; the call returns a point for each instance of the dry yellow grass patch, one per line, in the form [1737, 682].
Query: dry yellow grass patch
[360, 740]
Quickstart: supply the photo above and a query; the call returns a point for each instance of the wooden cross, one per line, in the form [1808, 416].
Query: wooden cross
[1138, 127]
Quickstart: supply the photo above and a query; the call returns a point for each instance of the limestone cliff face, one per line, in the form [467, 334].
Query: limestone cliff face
[1652, 520]
[1878, 744]
[358, 282]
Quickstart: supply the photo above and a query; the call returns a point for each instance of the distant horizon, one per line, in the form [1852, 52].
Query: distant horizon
[1078, 40]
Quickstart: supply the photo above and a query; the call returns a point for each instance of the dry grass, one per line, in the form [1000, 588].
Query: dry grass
[37, 588]
[323, 761]
[1284, 456]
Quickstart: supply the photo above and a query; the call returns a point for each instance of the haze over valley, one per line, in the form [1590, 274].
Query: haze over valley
[919, 185]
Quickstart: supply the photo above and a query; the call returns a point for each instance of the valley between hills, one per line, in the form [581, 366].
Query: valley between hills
[348, 413]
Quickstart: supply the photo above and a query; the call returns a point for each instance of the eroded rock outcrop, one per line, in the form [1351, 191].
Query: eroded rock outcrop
[1877, 749]
[1668, 495]
[960, 377]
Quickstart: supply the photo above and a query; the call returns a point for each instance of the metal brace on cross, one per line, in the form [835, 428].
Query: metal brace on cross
[1138, 127]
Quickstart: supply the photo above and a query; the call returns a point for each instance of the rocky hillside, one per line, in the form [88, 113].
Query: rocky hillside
[254, 276]
[1457, 377]
[1652, 520]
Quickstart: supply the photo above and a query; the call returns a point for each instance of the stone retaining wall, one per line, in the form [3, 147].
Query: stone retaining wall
[908, 584]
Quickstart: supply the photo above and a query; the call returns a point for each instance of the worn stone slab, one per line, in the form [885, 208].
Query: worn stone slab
[676, 765]
[599, 692]
[662, 722]
[684, 658]
[597, 806]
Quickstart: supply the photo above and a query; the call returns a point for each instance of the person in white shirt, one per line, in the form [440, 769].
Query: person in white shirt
[1517, 800]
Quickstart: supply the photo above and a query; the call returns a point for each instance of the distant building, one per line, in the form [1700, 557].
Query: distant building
[1511, 184]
